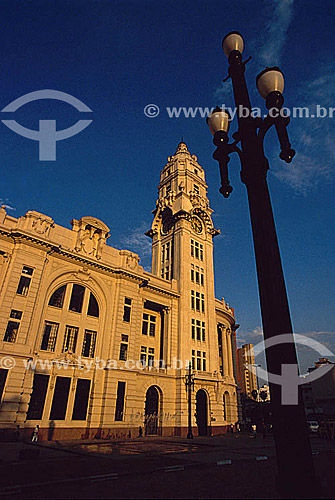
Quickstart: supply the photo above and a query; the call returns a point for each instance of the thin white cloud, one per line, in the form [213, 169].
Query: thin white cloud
[4, 203]
[280, 14]
[313, 138]
[137, 242]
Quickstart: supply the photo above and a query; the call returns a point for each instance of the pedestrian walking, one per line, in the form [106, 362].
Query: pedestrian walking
[254, 430]
[34, 434]
[232, 428]
[140, 431]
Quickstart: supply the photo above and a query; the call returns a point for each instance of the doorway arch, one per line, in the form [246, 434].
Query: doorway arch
[202, 412]
[151, 411]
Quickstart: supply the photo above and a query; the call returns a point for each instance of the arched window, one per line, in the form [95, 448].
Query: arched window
[93, 308]
[77, 297]
[57, 298]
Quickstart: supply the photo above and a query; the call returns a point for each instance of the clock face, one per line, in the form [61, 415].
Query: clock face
[196, 225]
[167, 225]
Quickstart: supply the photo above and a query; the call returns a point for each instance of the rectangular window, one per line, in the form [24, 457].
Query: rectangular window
[151, 356]
[70, 339]
[197, 275]
[202, 302]
[204, 361]
[197, 250]
[201, 277]
[3, 377]
[143, 356]
[123, 351]
[60, 398]
[149, 325]
[11, 331]
[77, 297]
[193, 359]
[192, 273]
[49, 336]
[167, 189]
[193, 329]
[203, 331]
[167, 273]
[198, 330]
[197, 301]
[192, 299]
[196, 189]
[119, 408]
[16, 314]
[123, 348]
[37, 398]
[81, 399]
[23, 285]
[199, 360]
[166, 251]
[90, 338]
[127, 310]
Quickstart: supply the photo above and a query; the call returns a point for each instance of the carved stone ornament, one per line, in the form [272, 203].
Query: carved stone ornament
[91, 236]
[83, 275]
[129, 259]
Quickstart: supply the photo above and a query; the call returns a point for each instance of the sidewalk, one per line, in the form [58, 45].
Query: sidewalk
[84, 463]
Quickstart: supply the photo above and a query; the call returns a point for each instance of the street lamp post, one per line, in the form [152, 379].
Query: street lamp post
[189, 383]
[296, 476]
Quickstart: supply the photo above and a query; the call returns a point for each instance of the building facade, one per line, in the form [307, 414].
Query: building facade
[247, 379]
[94, 346]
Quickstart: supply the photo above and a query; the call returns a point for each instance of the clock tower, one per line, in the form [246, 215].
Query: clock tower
[182, 250]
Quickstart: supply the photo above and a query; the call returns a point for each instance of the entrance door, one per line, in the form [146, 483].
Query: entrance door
[151, 411]
[201, 409]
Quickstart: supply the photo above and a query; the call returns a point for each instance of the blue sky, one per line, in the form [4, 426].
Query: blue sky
[119, 56]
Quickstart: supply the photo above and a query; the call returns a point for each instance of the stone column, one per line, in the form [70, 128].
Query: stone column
[224, 352]
[229, 354]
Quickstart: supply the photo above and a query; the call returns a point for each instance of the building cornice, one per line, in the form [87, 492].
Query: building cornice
[51, 248]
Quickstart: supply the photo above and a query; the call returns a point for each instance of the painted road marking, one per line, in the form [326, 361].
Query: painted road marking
[223, 462]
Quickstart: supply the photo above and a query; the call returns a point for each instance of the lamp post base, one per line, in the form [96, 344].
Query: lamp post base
[189, 434]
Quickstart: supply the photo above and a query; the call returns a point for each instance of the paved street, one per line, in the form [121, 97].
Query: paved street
[220, 467]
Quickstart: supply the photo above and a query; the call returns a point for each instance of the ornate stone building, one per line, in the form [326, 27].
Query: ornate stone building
[94, 346]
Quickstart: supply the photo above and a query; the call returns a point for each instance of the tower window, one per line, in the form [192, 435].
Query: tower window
[196, 189]
[197, 250]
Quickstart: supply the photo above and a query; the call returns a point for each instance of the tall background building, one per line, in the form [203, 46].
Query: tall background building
[247, 379]
[94, 346]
